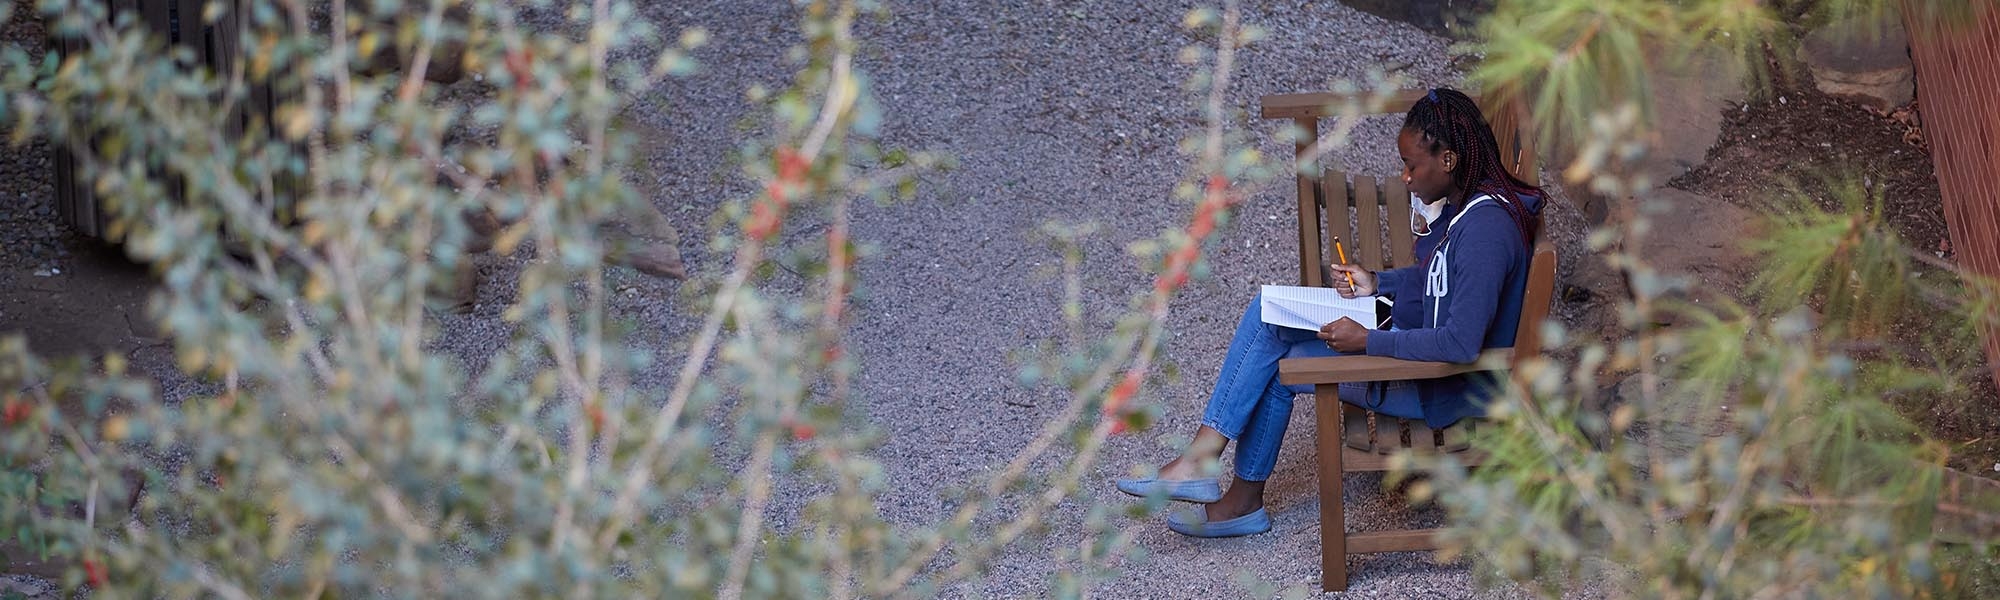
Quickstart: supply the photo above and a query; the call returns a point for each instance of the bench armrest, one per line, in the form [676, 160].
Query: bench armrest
[1349, 369]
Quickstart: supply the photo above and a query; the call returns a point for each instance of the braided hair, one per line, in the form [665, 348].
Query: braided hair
[1448, 120]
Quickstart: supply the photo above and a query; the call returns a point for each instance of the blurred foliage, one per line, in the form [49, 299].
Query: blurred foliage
[336, 450]
[1751, 449]
[335, 447]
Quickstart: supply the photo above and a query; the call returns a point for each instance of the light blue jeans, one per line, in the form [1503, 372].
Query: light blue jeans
[1252, 409]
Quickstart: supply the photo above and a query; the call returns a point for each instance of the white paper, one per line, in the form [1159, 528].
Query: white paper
[1308, 308]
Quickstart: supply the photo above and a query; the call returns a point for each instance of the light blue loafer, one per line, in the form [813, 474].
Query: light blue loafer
[1185, 490]
[1194, 523]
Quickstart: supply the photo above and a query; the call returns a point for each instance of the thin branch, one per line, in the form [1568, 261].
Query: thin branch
[841, 91]
[748, 256]
[751, 526]
[1144, 348]
[420, 61]
[221, 588]
[750, 523]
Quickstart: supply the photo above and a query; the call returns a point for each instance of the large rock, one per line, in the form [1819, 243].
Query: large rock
[1687, 112]
[1688, 103]
[1864, 60]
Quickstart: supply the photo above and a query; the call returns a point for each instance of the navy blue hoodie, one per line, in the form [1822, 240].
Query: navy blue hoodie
[1408, 311]
[1471, 291]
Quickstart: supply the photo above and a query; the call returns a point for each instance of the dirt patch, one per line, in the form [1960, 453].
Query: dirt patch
[1801, 137]
[1797, 140]
[95, 303]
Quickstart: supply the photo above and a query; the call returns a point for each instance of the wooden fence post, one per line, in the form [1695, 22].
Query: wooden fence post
[1956, 64]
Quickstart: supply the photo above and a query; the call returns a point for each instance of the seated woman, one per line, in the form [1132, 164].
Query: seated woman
[1463, 295]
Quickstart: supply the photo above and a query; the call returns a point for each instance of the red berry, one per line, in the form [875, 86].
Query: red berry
[94, 573]
[800, 431]
[517, 64]
[1204, 222]
[791, 166]
[596, 416]
[15, 411]
[763, 217]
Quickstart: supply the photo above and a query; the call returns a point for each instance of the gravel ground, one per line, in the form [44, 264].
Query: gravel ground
[32, 242]
[1056, 111]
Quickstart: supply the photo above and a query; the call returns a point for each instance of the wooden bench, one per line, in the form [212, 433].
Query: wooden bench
[1349, 438]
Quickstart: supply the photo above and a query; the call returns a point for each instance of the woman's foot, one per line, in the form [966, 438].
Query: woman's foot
[1186, 477]
[1191, 523]
[1238, 512]
[1184, 468]
[1196, 490]
[1205, 450]
[1242, 499]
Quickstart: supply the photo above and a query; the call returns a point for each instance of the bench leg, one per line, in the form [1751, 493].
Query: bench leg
[1332, 511]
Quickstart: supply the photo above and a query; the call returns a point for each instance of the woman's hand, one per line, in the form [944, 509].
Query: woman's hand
[1364, 281]
[1345, 335]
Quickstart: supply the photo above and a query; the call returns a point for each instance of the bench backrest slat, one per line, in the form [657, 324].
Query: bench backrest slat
[1333, 189]
[1310, 259]
[1402, 243]
[1365, 246]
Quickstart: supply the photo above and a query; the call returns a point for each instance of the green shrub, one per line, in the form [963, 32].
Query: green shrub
[1757, 448]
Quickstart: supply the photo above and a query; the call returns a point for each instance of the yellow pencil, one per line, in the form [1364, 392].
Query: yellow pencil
[1343, 259]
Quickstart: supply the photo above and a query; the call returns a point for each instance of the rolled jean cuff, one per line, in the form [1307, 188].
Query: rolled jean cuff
[1240, 475]
[1210, 423]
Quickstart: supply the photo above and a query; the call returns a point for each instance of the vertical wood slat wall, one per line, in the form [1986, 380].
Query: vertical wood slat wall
[1957, 67]
[215, 46]
[65, 167]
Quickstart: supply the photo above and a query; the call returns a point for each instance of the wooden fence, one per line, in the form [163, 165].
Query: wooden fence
[179, 25]
[1957, 63]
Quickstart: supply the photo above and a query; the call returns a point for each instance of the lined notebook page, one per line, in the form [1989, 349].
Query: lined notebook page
[1308, 308]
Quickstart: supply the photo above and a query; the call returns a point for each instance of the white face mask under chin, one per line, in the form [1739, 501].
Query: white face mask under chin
[1422, 215]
